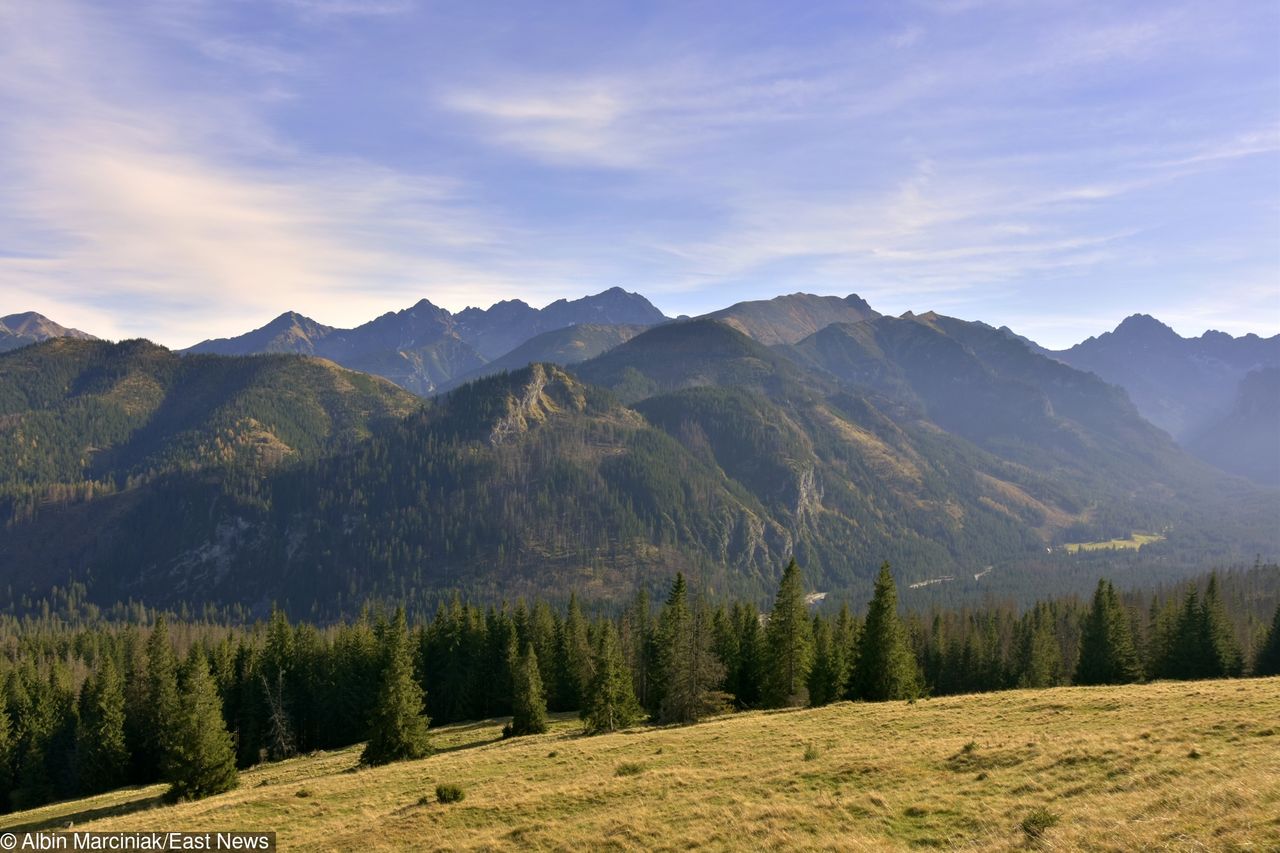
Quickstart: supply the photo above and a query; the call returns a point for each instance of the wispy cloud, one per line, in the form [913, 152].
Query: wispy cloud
[193, 167]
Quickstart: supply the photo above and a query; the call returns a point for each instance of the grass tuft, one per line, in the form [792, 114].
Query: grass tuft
[811, 752]
[628, 768]
[1038, 822]
[447, 792]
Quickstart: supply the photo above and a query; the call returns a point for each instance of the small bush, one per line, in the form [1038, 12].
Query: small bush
[981, 777]
[811, 752]
[448, 793]
[915, 811]
[424, 800]
[1038, 822]
[629, 768]
[302, 793]
[969, 747]
[552, 754]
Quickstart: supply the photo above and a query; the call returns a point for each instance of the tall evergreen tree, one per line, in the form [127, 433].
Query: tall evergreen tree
[789, 642]
[1107, 655]
[886, 668]
[1223, 654]
[274, 678]
[827, 675]
[1267, 661]
[751, 655]
[102, 755]
[573, 658]
[162, 699]
[6, 758]
[610, 701]
[690, 674]
[201, 759]
[397, 725]
[1039, 654]
[845, 636]
[529, 702]
[1162, 633]
[637, 645]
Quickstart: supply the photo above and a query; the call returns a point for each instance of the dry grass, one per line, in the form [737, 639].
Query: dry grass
[1114, 765]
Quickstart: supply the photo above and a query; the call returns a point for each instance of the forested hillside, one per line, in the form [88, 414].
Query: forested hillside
[947, 447]
[83, 418]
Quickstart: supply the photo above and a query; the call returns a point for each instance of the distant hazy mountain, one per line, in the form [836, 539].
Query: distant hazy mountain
[1247, 440]
[19, 330]
[1179, 384]
[290, 332]
[787, 319]
[498, 330]
[425, 348]
[566, 346]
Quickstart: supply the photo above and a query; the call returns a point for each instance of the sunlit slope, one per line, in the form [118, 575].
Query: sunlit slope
[1177, 766]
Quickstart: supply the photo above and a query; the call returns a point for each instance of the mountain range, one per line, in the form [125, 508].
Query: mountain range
[943, 445]
[1206, 392]
[423, 348]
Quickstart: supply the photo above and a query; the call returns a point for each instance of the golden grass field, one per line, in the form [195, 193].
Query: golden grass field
[1133, 543]
[1165, 766]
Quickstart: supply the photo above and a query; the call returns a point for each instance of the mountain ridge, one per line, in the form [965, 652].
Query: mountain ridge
[424, 348]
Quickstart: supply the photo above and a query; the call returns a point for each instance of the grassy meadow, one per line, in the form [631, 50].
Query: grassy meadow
[1169, 766]
[1133, 543]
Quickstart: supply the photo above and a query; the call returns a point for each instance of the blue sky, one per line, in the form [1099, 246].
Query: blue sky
[184, 169]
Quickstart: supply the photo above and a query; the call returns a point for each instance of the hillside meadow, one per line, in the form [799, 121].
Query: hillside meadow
[1169, 765]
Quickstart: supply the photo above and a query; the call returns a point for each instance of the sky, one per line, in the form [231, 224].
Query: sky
[188, 169]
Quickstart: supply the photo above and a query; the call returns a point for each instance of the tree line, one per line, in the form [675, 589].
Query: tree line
[90, 707]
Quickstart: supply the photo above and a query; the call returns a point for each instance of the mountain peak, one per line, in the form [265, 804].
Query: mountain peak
[1144, 324]
[792, 317]
[32, 326]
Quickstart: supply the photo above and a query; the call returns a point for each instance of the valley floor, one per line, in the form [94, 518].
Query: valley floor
[1171, 766]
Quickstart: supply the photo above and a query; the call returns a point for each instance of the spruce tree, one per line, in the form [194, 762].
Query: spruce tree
[101, 753]
[1222, 652]
[162, 700]
[1267, 661]
[845, 637]
[886, 669]
[1107, 655]
[727, 646]
[275, 666]
[751, 655]
[637, 643]
[610, 701]
[202, 761]
[689, 673]
[1039, 655]
[6, 758]
[1162, 632]
[529, 702]
[573, 658]
[1188, 656]
[397, 725]
[789, 642]
[826, 676]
